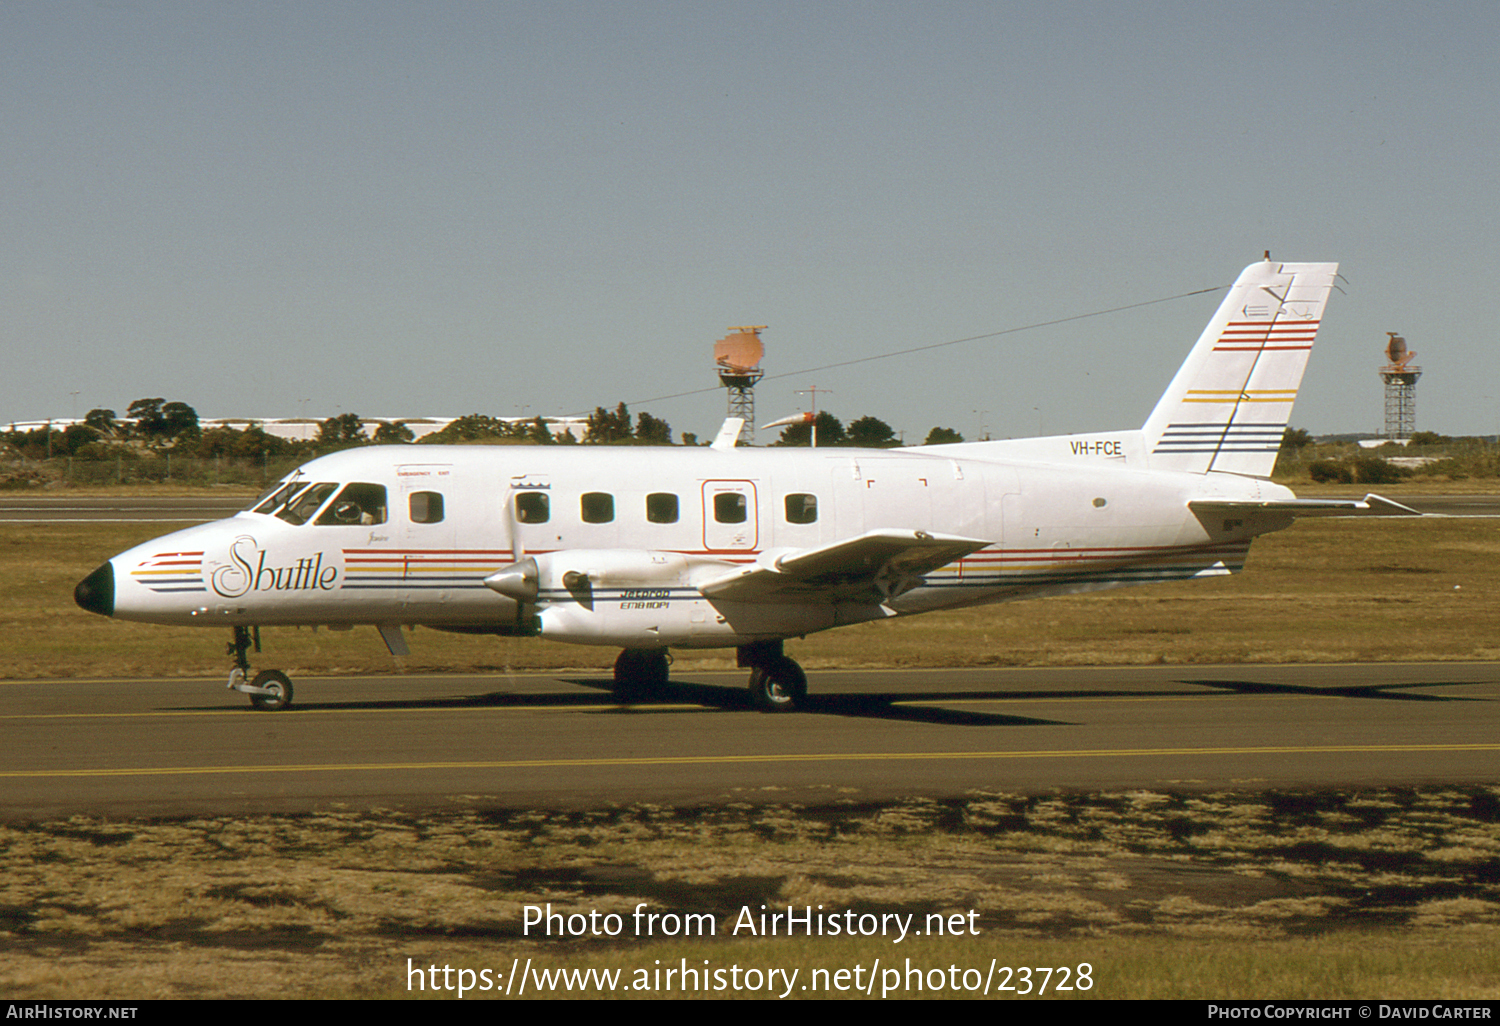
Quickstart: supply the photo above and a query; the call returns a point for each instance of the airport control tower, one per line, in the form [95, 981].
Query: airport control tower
[1400, 379]
[737, 358]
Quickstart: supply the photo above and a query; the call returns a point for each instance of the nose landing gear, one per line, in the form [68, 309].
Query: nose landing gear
[271, 689]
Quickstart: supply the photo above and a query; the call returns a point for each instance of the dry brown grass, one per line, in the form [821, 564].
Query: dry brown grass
[335, 903]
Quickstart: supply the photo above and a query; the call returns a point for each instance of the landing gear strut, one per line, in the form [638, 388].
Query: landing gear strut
[640, 672]
[271, 689]
[777, 683]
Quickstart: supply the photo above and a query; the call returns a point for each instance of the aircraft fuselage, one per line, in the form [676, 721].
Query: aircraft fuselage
[650, 522]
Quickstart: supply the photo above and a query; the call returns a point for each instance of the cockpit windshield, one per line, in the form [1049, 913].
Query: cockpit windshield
[306, 502]
[271, 500]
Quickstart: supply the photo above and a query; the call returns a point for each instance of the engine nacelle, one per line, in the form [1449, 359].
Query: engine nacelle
[636, 598]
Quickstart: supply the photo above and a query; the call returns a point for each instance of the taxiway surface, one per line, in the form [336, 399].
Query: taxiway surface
[558, 741]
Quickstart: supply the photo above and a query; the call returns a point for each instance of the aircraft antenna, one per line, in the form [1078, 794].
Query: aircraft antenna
[737, 359]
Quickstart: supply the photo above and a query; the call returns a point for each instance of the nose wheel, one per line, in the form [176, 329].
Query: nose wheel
[270, 689]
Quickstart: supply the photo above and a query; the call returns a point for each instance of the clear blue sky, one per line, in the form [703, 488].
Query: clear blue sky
[541, 207]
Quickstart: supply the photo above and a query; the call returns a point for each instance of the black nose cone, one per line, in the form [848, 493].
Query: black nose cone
[96, 592]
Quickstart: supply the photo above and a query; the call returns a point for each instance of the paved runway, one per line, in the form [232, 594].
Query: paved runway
[190, 747]
[171, 512]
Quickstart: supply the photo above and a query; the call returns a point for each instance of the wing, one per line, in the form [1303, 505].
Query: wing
[873, 567]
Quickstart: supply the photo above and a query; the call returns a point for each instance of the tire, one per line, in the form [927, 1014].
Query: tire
[276, 681]
[778, 686]
[640, 673]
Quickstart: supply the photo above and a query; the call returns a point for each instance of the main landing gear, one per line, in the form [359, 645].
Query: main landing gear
[640, 673]
[271, 689]
[777, 683]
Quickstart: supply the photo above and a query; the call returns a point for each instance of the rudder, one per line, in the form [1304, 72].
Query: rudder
[1231, 401]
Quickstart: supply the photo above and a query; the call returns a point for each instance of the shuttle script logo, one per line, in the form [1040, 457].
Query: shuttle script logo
[247, 571]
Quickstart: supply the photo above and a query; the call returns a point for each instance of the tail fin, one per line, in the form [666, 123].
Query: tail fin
[1230, 403]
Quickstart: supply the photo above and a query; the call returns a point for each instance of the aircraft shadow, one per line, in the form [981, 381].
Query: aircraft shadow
[877, 706]
[1387, 692]
[718, 699]
[910, 707]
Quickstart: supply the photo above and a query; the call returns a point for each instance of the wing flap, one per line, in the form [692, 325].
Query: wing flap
[869, 568]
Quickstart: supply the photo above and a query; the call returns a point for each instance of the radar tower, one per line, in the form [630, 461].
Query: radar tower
[737, 359]
[1400, 379]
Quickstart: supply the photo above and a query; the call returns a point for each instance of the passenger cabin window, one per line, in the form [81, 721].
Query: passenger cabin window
[730, 508]
[304, 505]
[661, 508]
[801, 509]
[358, 504]
[425, 507]
[596, 507]
[533, 507]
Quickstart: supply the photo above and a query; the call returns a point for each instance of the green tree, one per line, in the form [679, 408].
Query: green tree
[942, 436]
[394, 434]
[1429, 438]
[651, 431]
[256, 442]
[217, 441]
[538, 433]
[606, 427]
[147, 417]
[475, 427]
[830, 432]
[341, 432]
[870, 433]
[102, 421]
[1293, 439]
[179, 420]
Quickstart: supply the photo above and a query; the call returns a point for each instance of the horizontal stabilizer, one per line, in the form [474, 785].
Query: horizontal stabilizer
[1370, 506]
[870, 568]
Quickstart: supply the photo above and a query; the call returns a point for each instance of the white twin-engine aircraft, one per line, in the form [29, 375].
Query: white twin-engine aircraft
[649, 549]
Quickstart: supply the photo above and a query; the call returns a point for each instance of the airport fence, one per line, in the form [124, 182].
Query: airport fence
[252, 472]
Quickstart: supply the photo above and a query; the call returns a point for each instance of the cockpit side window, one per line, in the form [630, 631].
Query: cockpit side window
[306, 504]
[358, 504]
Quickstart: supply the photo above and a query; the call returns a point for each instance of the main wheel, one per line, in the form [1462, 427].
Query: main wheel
[279, 683]
[778, 686]
[640, 672]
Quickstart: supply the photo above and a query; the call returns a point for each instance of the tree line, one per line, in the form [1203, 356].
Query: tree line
[156, 426]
